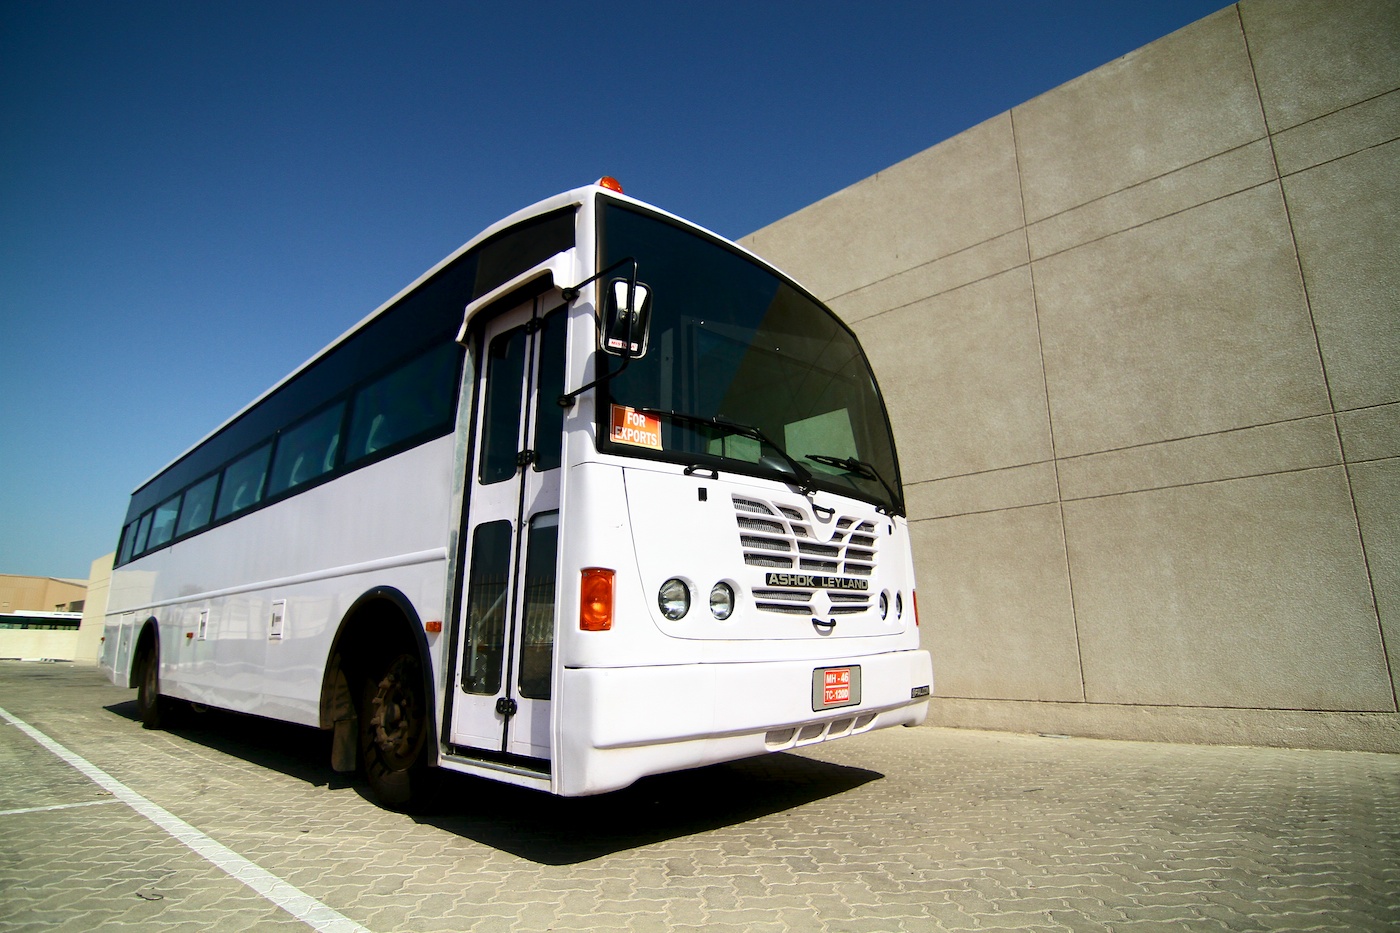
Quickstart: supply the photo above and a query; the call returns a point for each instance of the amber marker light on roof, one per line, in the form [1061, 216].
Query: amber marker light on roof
[595, 608]
[612, 184]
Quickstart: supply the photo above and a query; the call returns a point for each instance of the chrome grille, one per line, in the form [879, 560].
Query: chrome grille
[774, 536]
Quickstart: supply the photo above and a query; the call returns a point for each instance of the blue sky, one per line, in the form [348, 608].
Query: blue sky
[197, 196]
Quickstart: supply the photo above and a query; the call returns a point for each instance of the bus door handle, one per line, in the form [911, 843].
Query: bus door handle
[823, 628]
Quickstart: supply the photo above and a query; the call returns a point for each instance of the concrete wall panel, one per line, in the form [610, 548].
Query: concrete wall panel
[1247, 593]
[961, 377]
[1190, 325]
[1309, 60]
[959, 193]
[1010, 488]
[1337, 134]
[1182, 99]
[1371, 433]
[994, 605]
[1271, 448]
[1376, 487]
[1347, 225]
[1208, 180]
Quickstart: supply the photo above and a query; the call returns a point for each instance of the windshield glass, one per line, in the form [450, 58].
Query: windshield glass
[762, 379]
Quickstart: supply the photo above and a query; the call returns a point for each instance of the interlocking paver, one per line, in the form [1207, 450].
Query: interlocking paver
[915, 830]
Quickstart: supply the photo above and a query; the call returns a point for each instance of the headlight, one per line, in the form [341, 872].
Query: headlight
[721, 601]
[884, 603]
[899, 605]
[674, 599]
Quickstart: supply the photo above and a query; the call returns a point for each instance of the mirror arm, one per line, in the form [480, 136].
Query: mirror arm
[571, 294]
[567, 399]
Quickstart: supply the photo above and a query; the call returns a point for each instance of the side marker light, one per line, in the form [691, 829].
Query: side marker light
[612, 184]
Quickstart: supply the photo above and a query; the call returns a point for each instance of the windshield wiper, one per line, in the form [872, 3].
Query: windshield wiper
[859, 468]
[803, 475]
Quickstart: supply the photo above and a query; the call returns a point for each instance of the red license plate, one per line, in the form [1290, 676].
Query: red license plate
[835, 686]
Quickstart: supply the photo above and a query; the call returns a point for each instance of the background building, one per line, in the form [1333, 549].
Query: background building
[38, 616]
[1140, 340]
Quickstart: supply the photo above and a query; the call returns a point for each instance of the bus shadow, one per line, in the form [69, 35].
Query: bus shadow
[563, 831]
[534, 825]
[296, 751]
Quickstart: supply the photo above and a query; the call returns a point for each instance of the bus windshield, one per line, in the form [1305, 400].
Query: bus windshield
[743, 370]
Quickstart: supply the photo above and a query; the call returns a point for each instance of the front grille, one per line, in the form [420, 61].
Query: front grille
[783, 537]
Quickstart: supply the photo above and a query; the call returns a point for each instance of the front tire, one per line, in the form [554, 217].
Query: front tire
[394, 734]
[148, 705]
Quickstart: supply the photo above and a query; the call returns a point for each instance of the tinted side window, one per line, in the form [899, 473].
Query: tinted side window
[307, 450]
[244, 481]
[413, 399]
[199, 505]
[511, 253]
[500, 432]
[163, 525]
[549, 417]
[142, 531]
[128, 543]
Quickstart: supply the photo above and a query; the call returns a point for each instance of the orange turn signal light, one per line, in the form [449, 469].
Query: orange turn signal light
[595, 609]
[612, 184]
[433, 627]
[914, 595]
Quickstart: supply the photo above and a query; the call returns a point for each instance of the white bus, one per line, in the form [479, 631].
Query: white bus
[600, 495]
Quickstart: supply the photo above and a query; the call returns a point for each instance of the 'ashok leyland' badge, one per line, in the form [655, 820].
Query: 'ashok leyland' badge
[815, 581]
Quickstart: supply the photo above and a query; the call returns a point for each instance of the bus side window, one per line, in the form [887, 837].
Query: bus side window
[198, 507]
[142, 531]
[163, 525]
[409, 401]
[244, 480]
[307, 450]
[500, 431]
[128, 542]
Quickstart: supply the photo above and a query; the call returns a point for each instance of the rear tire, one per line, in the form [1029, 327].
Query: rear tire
[394, 733]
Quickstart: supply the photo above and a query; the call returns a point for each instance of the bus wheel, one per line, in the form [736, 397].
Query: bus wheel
[148, 705]
[393, 732]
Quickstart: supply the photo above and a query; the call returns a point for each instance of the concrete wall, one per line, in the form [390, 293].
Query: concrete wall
[89, 644]
[1140, 340]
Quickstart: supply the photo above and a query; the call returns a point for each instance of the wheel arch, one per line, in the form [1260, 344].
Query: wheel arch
[382, 611]
[148, 636]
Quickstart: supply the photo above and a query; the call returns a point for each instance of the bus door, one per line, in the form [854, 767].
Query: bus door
[506, 644]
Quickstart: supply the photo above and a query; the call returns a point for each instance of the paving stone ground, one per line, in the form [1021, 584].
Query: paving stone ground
[903, 830]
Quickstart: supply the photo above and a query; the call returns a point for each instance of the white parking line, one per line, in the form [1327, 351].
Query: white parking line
[300, 905]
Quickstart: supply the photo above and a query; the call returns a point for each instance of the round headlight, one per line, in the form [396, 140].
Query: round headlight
[674, 599]
[721, 601]
[884, 603]
[899, 605]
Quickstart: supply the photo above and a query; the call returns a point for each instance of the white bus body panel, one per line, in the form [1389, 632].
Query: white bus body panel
[385, 525]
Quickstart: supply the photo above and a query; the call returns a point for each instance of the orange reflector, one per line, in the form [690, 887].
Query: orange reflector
[432, 627]
[612, 184]
[914, 596]
[595, 608]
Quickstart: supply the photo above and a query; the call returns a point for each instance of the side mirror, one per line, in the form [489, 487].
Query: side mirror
[626, 319]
